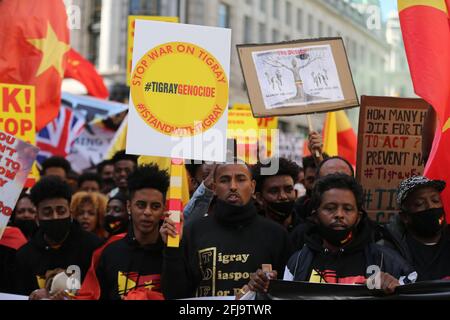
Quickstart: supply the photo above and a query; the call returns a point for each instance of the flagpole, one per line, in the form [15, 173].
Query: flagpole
[317, 154]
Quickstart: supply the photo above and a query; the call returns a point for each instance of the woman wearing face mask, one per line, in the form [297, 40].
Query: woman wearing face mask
[24, 216]
[116, 217]
[339, 246]
[420, 233]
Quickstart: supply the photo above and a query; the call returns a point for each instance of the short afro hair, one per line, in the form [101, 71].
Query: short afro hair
[103, 164]
[50, 187]
[58, 162]
[89, 176]
[286, 168]
[148, 176]
[192, 168]
[121, 155]
[336, 181]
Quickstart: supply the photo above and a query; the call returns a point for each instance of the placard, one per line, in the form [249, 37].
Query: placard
[297, 77]
[16, 160]
[389, 150]
[131, 29]
[179, 91]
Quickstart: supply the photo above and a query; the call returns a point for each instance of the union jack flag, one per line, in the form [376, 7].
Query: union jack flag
[57, 137]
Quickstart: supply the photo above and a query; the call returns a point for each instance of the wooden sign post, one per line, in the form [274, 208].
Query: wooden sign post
[389, 150]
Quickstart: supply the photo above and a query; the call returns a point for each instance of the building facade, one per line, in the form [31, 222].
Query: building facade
[103, 31]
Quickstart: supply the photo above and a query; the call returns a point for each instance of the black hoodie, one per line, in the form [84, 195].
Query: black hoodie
[349, 264]
[126, 265]
[430, 262]
[216, 256]
[36, 257]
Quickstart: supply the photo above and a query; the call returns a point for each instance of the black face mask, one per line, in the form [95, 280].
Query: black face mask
[56, 229]
[234, 215]
[427, 223]
[336, 237]
[28, 227]
[281, 210]
[115, 225]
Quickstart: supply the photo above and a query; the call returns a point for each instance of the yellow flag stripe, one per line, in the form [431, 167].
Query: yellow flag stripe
[343, 123]
[437, 4]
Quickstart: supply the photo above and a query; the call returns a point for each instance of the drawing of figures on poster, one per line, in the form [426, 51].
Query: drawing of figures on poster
[297, 76]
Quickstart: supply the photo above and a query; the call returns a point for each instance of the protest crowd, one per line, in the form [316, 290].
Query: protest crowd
[106, 230]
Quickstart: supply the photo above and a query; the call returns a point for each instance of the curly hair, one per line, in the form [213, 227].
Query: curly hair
[148, 176]
[89, 176]
[50, 187]
[121, 155]
[336, 181]
[285, 168]
[58, 162]
[98, 200]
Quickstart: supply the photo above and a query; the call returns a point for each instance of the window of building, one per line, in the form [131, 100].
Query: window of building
[330, 32]
[275, 35]
[320, 29]
[94, 30]
[249, 2]
[263, 5]
[288, 13]
[262, 32]
[310, 25]
[299, 19]
[224, 15]
[247, 29]
[362, 54]
[275, 8]
[144, 7]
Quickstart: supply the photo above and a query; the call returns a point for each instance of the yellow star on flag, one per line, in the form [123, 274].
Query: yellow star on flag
[52, 50]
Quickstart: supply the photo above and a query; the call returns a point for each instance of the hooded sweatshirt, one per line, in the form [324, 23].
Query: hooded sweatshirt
[218, 253]
[36, 257]
[432, 262]
[125, 265]
[348, 265]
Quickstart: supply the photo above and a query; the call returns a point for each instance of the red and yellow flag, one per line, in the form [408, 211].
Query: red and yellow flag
[80, 69]
[34, 40]
[339, 136]
[426, 34]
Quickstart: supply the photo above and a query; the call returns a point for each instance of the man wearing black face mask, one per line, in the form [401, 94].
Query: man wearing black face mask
[218, 252]
[58, 243]
[420, 233]
[275, 193]
[339, 247]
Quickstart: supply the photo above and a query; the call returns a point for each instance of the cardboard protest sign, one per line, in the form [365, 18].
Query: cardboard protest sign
[244, 129]
[179, 91]
[253, 135]
[131, 29]
[389, 150]
[16, 160]
[297, 77]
